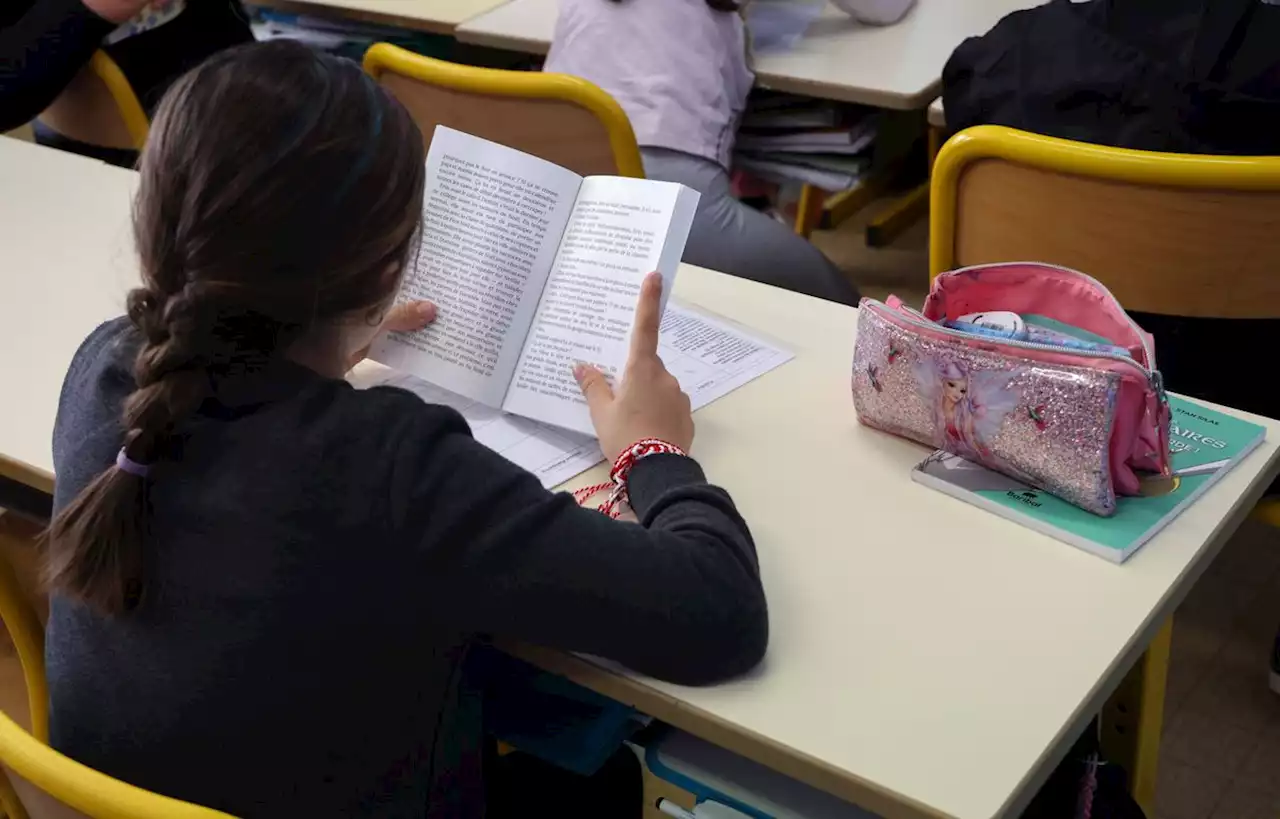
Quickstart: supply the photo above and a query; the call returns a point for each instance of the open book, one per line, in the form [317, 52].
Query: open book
[711, 356]
[533, 268]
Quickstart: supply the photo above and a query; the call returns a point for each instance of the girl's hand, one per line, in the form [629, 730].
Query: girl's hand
[403, 318]
[648, 402]
[115, 11]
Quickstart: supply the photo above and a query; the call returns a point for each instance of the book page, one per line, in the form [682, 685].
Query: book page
[492, 221]
[552, 455]
[710, 357]
[620, 230]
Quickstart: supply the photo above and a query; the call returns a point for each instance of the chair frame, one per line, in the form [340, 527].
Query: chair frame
[82, 788]
[385, 58]
[28, 754]
[27, 634]
[1238, 173]
[131, 111]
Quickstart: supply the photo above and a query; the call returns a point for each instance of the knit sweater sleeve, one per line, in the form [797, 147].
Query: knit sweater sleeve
[677, 596]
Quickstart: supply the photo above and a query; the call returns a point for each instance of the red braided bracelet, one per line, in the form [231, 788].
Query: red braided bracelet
[617, 483]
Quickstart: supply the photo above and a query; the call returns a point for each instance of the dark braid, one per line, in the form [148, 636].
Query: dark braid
[281, 192]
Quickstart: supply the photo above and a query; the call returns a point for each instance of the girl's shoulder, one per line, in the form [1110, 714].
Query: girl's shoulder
[109, 352]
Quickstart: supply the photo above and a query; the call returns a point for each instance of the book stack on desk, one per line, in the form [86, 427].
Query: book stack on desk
[785, 140]
[343, 37]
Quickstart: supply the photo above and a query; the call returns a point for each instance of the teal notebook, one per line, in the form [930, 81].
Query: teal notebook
[1205, 445]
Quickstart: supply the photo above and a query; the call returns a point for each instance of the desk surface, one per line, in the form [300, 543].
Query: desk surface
[927, 658]
[896, 66]
[438, 16]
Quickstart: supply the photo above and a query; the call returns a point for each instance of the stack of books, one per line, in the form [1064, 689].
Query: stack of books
[785, 139]
[344, 38]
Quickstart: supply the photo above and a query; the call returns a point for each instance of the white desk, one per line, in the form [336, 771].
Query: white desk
[437, 16]
[66, 262]
[927, 658]
[896, 66]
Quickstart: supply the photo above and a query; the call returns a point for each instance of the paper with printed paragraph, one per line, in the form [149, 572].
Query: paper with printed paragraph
[708, 355]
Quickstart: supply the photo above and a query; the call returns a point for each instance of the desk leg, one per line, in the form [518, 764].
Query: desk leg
[809, 210]
[907, 210]
[1132, 720]
[816, 209]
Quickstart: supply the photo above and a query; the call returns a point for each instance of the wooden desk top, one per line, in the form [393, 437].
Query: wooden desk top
[436, 16]
[927, 658]
[897, 66]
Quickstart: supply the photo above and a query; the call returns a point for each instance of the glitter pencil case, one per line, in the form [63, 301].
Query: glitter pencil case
[1082, 424]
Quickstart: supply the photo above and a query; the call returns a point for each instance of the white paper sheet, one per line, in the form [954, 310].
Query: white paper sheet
[709, 356]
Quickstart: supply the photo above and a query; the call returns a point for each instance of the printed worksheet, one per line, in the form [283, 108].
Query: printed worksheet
[709, 356]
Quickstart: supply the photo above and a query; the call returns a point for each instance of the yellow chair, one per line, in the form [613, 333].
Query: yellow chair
[130, 108]
[562, 119]
[56, 786]
[1174, 234]
[48, 784]
[23, 623]
[99, 107]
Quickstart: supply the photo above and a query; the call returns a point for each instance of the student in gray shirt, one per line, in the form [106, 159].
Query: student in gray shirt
[679, 69]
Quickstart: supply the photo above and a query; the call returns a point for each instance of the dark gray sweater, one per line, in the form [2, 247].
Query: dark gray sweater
[319, 561]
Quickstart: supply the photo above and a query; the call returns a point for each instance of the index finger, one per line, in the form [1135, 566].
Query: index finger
[644, 336]
[409, 317]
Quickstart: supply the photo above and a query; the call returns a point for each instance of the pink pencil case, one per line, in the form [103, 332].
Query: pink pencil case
[1081, 424]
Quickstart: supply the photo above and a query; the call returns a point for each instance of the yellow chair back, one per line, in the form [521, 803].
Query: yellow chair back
[20, 618]
[1175, 234]
[131, 111]
[562, 119]
[38, 782]
[53, 786]
[99, 107]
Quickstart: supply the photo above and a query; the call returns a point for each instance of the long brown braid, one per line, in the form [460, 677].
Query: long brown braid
[280, 194]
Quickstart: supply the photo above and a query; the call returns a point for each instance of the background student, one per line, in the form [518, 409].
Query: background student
[45, 46]
[265, 581]
[679, 69]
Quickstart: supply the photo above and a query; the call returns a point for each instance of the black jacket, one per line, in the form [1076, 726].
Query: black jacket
[44, 43]
[318, 563]
[1191, 76]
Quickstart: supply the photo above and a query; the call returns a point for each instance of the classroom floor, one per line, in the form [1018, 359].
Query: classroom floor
[1221, 752]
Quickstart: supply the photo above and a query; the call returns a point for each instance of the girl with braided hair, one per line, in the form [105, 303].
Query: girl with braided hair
[264, 582]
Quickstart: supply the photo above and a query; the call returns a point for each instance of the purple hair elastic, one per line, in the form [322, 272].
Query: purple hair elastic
[131, 466]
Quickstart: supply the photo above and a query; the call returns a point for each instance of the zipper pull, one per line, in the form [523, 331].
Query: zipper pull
[1157, 384]
[1163, 419]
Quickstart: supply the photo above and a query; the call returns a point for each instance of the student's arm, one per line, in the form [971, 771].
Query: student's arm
[41, 52]
[876, 12]
[676, 597]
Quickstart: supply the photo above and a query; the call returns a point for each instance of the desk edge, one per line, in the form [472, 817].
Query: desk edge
[797, 765]
[26, 474]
